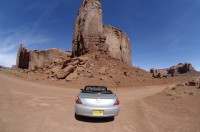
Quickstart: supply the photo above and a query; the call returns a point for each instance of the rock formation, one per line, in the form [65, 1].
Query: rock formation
[158, 73]
[193, 83]
[23, 57]
[118, 44]
[100, 53]
[45, 57]
[91, 36]
[181, 68]
[88, 27]
[28, 59]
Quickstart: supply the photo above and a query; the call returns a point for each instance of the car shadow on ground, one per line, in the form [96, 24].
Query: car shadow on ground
[93, 120]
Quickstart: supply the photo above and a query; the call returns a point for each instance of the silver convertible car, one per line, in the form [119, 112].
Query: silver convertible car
[96, 101]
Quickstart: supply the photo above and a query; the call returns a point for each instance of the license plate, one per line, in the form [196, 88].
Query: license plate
[97, 112]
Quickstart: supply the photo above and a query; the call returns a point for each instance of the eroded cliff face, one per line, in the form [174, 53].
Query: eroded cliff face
[46, 57]
[118, 44]
[31, 59]
[88, 27]
[181, 68]
[23, 57]
[91, 36]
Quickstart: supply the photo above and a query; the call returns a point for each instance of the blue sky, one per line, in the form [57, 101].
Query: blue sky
[162, 32]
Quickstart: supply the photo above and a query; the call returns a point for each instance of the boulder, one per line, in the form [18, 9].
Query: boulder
[126, 73]
[97, 55]
[83, 58]
[103, 78]
[55, 69]
[33, 68]
[157, 73]
[76, 62]
[61, 74]
[66, 62]
[57, 60]
[89, 75]
[80, 69]
[162, 73]
[103, 70]
[154, 72]
[192, 83]
[47, 71]
[72, 76]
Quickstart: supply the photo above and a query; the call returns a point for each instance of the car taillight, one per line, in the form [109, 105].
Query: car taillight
[116, 102]
[78, 101]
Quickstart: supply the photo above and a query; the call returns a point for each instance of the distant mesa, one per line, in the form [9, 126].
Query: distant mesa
[181, 68]
[3, 67]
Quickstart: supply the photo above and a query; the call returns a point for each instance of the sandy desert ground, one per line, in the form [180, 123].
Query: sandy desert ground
[32, 107]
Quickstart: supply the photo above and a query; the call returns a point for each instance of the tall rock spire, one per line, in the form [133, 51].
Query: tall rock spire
[88, 27]
[91, 36]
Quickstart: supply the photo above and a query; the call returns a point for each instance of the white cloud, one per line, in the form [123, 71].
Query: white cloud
[51, 6]
[8, 59]
[10, 39]
[9, 44]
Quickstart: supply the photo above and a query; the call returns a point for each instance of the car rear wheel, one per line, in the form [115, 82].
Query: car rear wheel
[111, 118]
[78, 117]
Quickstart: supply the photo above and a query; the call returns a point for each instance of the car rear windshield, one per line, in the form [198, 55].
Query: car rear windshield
[97, 89]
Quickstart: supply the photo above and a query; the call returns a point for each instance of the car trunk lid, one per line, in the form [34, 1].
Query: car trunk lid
[97, 99]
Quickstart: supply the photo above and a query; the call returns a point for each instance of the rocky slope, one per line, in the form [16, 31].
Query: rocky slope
[91, 69]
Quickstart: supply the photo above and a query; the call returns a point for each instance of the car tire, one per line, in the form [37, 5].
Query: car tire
[77, 116]
[111, 118]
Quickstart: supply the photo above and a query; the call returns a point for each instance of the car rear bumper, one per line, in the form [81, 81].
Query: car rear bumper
[85, 110]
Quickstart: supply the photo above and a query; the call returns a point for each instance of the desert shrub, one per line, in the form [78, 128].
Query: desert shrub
[191, 93]
[174, 88]
[179, 85]
[12, 72]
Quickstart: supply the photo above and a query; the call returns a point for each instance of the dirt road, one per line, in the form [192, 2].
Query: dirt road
[32, 107]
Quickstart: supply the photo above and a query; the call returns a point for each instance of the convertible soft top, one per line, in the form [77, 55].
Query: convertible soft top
[96, 89]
